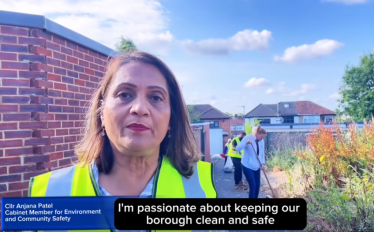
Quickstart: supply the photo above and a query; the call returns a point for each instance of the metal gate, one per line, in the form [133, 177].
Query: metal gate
[199, 135]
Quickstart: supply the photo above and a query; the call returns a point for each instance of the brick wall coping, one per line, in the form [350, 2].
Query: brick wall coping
[199, 123]
[41, 22]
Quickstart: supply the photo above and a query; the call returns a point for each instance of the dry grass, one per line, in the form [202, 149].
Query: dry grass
[335, 175]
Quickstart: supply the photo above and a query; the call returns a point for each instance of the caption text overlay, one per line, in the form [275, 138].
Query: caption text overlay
[210, 214]
[57, 213]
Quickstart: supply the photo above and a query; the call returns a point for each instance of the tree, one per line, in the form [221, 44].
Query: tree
[194, 116]
[125, 45]
[357, 91]
[228, 114]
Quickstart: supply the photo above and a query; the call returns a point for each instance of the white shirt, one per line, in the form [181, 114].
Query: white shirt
[249, 159]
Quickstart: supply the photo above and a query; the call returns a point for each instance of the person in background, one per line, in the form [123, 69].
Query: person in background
[253, 145]
[226, 149]
[236, 160]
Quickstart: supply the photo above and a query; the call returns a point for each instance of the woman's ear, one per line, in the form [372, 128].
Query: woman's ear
[102, 119]
[101, 103]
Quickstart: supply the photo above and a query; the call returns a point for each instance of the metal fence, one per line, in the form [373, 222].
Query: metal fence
[285, 140]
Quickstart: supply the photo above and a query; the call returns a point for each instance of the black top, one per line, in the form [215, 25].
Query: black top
[258, 150]
[234, 143]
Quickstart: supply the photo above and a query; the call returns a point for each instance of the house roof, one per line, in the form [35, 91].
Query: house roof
[293, 109]
[308, 107]
[207, 111]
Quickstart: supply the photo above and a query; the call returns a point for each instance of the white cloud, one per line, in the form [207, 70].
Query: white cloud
[143, 21]
[241, 41]
[319, 49]
[283, 90]
[348, 2]
[256, 82]
[335, 96]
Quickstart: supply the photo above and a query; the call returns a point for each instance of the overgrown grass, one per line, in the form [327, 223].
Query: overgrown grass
[335, 174]
[285, 160]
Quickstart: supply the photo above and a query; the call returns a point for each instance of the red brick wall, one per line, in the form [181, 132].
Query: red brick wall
[207, 142]
[226, 127]
[45, 82]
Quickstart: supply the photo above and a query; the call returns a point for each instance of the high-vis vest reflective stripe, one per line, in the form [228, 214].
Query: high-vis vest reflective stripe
[168, 183]
[233, 153]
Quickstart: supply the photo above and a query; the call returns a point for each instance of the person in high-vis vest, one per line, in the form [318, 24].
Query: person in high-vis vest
[236, 160]
[137, 139]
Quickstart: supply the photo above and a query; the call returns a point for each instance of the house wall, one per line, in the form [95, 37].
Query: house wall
[46, 82]
[273, 120]
[237, 121]
[225, 124]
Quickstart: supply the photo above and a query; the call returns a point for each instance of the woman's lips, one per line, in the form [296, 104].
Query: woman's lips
[137, 127]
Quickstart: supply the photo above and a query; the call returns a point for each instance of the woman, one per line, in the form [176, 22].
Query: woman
[137, 139]
[253, 146]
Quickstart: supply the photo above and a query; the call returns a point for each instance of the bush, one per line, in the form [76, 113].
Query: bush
[335, 175]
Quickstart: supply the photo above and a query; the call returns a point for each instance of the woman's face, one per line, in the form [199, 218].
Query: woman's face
[136, 111]
[260, 137]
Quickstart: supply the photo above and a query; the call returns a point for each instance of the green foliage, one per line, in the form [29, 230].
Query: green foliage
[335, 176]
[228, 114]
[283, 159]
[357, 90]
[125, 45]
[194, 116]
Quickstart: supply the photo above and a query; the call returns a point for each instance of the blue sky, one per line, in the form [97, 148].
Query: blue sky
[230, 53]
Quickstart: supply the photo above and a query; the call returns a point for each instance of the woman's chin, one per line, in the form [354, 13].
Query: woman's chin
[138, 146]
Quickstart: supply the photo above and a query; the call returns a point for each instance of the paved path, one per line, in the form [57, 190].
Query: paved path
[225, 183]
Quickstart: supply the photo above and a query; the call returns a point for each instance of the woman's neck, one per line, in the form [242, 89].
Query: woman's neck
[130, 174]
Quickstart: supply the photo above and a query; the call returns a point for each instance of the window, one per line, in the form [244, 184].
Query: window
[311, 119]
[286, 105]
[214, 124]
[329, 119]
[289, 119]
[265, 121]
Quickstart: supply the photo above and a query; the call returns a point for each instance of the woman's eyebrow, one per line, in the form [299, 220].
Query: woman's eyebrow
[131, 85]
[127, 84]
[157, 87]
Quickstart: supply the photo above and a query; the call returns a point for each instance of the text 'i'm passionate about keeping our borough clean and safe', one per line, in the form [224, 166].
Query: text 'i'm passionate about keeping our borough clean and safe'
[211, 214]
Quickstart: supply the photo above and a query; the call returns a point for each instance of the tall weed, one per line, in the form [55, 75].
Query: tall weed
[335, 175]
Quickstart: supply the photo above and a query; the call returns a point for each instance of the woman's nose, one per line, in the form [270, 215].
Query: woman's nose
[139, 106]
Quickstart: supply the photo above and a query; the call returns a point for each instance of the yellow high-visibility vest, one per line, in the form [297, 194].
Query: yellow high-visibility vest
[233, 153]
[78, 180]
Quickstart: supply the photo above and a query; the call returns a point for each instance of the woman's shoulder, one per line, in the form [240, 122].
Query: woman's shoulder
[62, 173]
[250, 136]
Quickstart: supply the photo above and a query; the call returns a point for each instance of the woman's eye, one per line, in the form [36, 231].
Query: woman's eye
[156, 98]
[124, 95]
